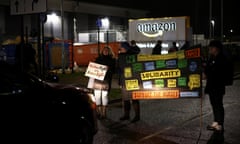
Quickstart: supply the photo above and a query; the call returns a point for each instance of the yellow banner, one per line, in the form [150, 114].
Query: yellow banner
[180, 54]
[175, 55]
[141, 57]
[161, 74]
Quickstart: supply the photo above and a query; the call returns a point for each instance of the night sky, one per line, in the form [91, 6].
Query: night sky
[198, 10]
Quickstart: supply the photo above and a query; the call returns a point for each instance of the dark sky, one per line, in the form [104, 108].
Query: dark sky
[198, 10]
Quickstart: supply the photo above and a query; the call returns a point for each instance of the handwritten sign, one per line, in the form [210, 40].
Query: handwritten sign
[96, 71]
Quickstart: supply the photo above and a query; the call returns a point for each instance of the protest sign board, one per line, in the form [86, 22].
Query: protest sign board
[96, 71]
[174, 75]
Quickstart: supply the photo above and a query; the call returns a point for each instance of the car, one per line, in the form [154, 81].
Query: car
[34, 110]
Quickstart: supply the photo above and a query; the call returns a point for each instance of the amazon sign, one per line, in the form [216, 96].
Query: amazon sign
[174, 75]
[151, 29]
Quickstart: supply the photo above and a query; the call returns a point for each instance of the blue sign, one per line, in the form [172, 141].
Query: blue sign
[193, 66]
[99, 23]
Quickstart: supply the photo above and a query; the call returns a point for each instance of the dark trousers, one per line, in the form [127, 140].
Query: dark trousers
[127, 107]
[216, 101]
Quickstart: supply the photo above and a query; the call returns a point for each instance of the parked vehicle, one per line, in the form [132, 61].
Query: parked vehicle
[36, 111]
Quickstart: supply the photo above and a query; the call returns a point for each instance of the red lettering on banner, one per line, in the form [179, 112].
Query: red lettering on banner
[193, 53]
[161, 94]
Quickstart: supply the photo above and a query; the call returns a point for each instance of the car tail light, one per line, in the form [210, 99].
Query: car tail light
[92, 101]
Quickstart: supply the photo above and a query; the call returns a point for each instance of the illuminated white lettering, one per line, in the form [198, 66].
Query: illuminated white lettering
[155, 27]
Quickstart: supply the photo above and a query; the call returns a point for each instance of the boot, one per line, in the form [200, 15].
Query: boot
[127, 107]
[136, 107]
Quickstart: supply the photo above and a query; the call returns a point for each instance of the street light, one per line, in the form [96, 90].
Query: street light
[105, 23]
[231, 34]
[53, 19]
[213, 24]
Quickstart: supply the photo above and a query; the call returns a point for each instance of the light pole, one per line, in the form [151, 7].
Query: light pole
[231, 35]
[210, 18]
[222, 35]
[106, 25]
[99, 24]
[212, 24]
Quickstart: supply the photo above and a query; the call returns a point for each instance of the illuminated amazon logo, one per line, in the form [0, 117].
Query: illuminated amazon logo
[155, 29]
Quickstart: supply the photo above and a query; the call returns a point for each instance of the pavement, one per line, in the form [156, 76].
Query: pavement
[197, 126]
[181, 121]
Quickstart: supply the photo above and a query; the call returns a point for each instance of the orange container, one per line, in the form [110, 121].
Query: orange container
[83, 54]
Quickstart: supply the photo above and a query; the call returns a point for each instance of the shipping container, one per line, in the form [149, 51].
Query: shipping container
[85, 53]
[54, 55]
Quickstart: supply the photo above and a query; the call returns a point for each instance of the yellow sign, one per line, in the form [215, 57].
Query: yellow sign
[161, 74]
[142, 57]
[194, 81]
[127, 72]
[172, 83]
[132, 84]
[161, 94]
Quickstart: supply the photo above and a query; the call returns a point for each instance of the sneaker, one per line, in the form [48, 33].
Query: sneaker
[215, 127]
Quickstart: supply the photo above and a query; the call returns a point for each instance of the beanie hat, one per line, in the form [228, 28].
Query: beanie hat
[125, 45]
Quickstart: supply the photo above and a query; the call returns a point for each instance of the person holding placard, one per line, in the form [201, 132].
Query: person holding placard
[102, 88]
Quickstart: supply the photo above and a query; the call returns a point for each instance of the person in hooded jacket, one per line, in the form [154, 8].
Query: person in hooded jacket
[215, 72]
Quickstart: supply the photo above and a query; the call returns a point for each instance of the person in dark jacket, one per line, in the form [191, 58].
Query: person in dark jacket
[174, 47]
[215, 71]
[157, 48]
[134, 49]
[127, 49]
[102, 88]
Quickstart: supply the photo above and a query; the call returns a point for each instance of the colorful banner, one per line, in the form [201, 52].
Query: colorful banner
[96, 71]
[175, 75]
